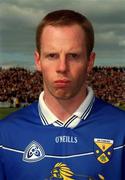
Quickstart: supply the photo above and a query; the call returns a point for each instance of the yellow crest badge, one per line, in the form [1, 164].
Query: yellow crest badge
[103, 149]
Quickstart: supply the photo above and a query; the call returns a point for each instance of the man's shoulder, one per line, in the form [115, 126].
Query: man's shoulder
[108, 109]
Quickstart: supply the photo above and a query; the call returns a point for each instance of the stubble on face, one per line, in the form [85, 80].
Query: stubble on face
[65, 93]
[62, 40]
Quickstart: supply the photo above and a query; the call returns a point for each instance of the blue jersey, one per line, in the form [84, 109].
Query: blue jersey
[93, 150]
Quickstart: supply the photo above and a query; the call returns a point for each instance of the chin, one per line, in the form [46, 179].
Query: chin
[62, 95]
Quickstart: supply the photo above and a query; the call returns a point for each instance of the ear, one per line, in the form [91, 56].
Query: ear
[91, 61]
[37, 60]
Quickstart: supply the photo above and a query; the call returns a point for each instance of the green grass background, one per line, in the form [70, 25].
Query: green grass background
[6, 111]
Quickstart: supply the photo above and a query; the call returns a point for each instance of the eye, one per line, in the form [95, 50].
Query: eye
[73, 56]
[52, 56]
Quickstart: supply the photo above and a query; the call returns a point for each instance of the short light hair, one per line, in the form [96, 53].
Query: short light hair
[66, 18]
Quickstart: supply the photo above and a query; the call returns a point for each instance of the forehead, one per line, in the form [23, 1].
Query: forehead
[63, 34]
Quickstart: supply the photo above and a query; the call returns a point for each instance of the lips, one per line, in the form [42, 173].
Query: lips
[62, 83]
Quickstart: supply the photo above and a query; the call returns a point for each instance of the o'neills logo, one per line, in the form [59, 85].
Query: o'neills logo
[66, 139]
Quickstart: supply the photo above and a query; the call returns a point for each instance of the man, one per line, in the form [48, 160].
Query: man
[69, 134]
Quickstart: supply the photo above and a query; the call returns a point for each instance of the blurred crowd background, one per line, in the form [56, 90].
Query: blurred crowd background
[20, 87]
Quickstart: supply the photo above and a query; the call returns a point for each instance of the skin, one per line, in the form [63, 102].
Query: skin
[64, 65]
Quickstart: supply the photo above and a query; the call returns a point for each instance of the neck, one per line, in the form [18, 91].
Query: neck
[63, 109]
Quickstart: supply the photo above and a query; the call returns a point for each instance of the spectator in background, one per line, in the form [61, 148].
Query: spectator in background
[108, 84]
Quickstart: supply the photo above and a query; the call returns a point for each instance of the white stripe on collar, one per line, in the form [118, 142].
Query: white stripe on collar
[47, 117]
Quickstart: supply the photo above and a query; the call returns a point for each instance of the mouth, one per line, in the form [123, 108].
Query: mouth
[62, 83]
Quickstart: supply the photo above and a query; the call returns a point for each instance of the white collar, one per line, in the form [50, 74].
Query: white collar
[47, 117]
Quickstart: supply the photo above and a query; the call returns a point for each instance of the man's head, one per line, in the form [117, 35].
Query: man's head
[64, 53]
[66, 18]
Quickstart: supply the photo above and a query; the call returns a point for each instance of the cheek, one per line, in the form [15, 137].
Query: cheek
[80, 73]
[47, 76]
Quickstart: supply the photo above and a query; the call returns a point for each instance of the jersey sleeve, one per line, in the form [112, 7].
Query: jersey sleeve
[1, 172]
[123, 164]
[2, 175]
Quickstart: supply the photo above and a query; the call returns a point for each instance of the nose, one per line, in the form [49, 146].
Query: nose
[62, 65]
